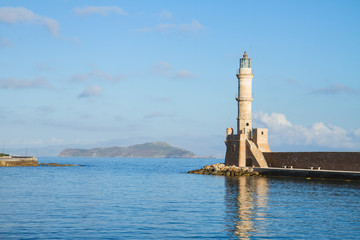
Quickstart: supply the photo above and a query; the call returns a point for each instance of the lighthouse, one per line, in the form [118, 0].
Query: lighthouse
[244, 99]
[245, 147]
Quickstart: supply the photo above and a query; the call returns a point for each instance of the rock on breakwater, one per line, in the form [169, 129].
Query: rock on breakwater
[221, 169]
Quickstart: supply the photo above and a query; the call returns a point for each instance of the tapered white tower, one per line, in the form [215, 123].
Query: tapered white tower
[246, 146]
[245, 76]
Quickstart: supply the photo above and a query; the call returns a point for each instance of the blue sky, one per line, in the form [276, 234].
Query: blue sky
[104, 73]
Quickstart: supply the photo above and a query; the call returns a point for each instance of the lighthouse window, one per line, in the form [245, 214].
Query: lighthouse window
[245, 63]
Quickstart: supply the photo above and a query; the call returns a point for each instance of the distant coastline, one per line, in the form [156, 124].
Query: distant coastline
[146, 150]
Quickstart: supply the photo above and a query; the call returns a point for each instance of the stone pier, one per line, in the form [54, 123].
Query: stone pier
[18, 161]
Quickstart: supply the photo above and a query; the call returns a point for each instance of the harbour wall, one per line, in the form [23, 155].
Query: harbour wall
[340, 161]
[14, 161]
[308, 173]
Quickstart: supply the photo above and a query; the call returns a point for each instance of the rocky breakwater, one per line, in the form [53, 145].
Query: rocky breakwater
[17, 161]
[57, 165]
[221, 169]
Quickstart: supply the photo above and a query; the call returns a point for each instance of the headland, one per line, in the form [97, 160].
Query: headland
[145, 150]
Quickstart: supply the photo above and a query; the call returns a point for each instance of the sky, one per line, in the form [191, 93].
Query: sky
[105, 73]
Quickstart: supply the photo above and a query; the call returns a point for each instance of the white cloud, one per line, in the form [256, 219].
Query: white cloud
[97, 75]
[164, 69]
[102, 75]
[357, 133]
[335, 88]
[102, 10]
[183, 74]
[283, 132]
[15, 83]
[164, 14]
[193, 27]
[275, 120]
[159, 28]
[91, 91]
[14, 15]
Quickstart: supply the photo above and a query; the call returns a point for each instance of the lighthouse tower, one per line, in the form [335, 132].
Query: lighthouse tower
[246, 146]
[244, 99]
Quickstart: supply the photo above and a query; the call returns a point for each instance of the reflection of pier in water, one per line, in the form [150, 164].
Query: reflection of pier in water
[246, 202]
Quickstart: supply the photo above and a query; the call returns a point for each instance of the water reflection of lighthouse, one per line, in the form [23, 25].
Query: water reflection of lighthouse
[246, 201]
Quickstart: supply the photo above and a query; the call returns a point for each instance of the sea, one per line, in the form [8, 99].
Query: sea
[154, 198]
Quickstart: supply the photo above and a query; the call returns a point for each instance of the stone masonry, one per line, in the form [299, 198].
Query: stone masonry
[13, 161]
[246, 147]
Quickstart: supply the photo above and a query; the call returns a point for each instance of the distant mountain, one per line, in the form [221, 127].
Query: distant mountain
[152, 149]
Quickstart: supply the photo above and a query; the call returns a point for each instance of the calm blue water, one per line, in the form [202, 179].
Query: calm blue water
[123, 198]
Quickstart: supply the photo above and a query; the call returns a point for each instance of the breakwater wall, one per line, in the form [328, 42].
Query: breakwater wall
[308, 173]
[340, 161]
[17, 161]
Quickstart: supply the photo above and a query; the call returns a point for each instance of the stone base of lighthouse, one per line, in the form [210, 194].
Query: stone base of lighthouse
[242, 151]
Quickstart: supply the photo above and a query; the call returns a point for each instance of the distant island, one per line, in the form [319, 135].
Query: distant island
[146, 150]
